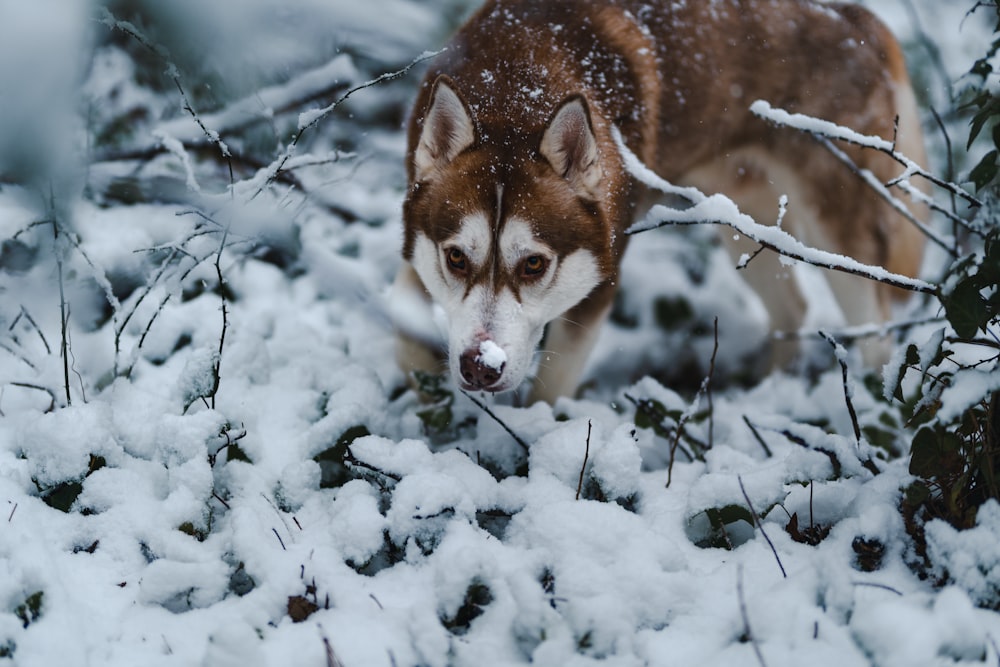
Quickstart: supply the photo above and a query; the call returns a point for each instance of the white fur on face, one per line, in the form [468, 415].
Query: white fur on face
[514, 323]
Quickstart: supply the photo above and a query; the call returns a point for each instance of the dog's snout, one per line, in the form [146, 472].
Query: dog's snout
[477, 371]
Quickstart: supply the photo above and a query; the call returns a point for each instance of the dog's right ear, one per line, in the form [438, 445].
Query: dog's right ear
[448, 130]
[571, 148]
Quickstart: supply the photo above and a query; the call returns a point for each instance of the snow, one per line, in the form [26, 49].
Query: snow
[144, 523]
[491, 355]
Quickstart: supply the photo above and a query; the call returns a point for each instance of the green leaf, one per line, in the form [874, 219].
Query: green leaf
[937, 454]
[984, 172]
[966, 309]
[672, 314]
[925, 454]
[31, 609]
[912, 359]
[235, 453]
[333, 471]
[985, 103]
[724, 516]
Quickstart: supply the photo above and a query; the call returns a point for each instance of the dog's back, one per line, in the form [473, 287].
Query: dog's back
[677, 79]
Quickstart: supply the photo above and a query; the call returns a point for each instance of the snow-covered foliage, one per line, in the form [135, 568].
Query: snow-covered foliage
[209, 457]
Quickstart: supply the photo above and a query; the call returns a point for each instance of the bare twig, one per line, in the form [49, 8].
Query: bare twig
[263, 105]
[676, 442]
[863, 331]
[871, 584]
[760, 526]
[705, 389]
[173, 72]
[756, 434]
[36, 387]
[586, 455]
[746, 617]
[34, 325]
[215, 494]
[482, 406]
[882, 191]
[950, 172]
[822, 128]
[63, 311]
[18, 355]
[708, 387]
[331, 656]
[841, 354]
[217, 365]
[310, 119]
[780, 242]
[280, 541]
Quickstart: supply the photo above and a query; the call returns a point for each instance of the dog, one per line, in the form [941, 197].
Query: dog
[518, 199]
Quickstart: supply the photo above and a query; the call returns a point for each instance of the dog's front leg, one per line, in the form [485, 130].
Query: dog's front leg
[568, 343]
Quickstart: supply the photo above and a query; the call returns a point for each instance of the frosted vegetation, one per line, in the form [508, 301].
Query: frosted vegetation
[209, 457]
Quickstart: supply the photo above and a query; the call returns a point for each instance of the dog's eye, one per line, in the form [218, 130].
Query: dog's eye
[533, 266]
[456, 260]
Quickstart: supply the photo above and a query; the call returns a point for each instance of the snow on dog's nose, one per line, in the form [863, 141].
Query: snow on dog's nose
[482, 366]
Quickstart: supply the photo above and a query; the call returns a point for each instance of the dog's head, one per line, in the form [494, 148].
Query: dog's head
[504, 227]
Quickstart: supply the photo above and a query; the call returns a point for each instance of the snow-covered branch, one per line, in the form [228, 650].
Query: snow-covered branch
[824, 128]
[308, 119]
[263, 104]
[720, 210]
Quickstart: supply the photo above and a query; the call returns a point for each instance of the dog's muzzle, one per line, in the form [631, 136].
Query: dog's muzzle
[482, 367]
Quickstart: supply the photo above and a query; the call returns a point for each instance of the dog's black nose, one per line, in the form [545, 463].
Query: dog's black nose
[476, 373]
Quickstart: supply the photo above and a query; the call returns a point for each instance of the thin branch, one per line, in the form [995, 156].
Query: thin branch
[18, 355]
[861, 331]
[263, 105]
[482, 406]
[586, 455]
[217, 365]
[746, 616]
[174, 73]
[34, 325]
[720, 210]
[280, 541]
[883, 192]
[680, 429]
[760, 526]
[756, 434]
[708, 387]
[823, 128]
[308, 120]
[950, 170]
[331, 656]
[774, 239]
[63, 312]
[883, 587]
[841, 354]
[28, 385]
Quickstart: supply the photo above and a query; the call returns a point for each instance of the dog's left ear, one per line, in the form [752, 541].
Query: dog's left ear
[570, 147]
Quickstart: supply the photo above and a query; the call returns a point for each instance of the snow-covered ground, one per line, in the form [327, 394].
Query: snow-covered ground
[309, 510]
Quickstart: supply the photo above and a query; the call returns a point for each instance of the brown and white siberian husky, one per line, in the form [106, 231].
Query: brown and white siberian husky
[518, 198]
